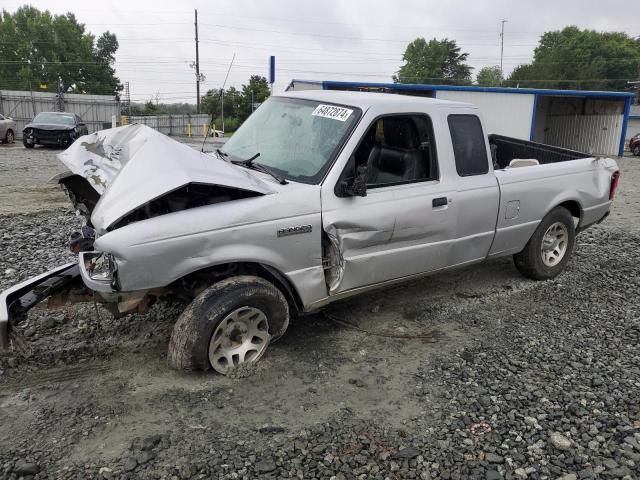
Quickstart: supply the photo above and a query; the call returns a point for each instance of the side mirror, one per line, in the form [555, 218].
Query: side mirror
[355, 186]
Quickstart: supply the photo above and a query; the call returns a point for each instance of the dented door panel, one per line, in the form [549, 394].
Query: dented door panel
[357, 228]
[393, 232]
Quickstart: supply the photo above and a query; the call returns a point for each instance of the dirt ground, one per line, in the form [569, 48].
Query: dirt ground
[85, 390]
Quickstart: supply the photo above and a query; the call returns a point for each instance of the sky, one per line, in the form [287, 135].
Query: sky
[359, 40]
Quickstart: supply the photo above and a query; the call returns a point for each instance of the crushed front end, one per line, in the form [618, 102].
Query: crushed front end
[59, 138]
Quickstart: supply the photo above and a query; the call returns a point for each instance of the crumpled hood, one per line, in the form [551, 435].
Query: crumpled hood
[48, 126]
[132, 165]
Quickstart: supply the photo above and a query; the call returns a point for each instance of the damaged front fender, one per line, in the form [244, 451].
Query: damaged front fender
[131, 167]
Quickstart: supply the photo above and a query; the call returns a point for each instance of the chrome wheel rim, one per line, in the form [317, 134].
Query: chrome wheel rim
[241, 337]
[554, 244]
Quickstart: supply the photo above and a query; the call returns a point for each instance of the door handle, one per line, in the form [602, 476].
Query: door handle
[439, 202]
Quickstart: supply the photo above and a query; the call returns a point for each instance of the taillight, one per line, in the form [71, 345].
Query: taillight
[615, 178]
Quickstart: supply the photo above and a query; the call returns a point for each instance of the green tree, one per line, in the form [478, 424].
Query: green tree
[489, 77]
[435, 61]
[38, 49]
[210, 102]
[237, 102]
[580, 59]
[232, 102]
[256, 91]
[152, 108]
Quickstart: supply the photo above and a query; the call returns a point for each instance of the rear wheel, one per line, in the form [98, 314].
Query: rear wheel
[549, 248]
[229, 324]
[9, 137]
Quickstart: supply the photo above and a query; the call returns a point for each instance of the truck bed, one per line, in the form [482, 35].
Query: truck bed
[504, 149]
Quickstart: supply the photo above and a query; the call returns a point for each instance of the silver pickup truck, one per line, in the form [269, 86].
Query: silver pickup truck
[318, 196]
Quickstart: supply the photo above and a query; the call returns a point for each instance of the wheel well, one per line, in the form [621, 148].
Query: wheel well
[574, 208]
[201, 279]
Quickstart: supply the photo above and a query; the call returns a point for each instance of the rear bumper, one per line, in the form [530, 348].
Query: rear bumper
[594, 215]
[16, 301]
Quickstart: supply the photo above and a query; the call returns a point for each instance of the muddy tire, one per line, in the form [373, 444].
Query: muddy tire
[549, 248]
[245, 314]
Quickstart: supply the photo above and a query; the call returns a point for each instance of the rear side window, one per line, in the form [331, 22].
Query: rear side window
[468, 145]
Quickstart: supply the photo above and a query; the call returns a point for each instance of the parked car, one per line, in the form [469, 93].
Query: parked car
[53, 128]
[634, 144]
[316, 197]
[7, 129]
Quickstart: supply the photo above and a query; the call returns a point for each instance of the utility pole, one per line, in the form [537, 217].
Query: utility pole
[60, 96]
[197, 66]
[503, 21]
[636, 85]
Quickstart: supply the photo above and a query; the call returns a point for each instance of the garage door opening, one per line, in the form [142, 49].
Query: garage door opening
[586, 124]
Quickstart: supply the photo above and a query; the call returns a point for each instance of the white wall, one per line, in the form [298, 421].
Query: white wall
[504, 113]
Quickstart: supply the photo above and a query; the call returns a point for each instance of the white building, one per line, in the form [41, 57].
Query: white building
[587, 121]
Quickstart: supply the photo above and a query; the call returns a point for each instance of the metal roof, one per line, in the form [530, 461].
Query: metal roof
[328, 84]
[364, 100]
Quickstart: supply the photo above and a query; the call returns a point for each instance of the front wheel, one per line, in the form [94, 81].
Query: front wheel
[229, 324]
[9, 137]
[636, 150]
[549, 248]
[27, 144]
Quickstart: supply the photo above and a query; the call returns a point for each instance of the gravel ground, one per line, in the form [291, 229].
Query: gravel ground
[518, 380]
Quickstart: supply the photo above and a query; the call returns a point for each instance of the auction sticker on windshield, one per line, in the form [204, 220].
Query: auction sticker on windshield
[331, 111]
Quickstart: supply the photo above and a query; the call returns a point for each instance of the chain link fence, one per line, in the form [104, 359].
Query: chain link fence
[189, 125]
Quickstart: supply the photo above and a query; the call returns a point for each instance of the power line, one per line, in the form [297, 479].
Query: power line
[298, 21]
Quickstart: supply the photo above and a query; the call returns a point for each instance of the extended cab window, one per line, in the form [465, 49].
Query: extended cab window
[469, 146]
[398, 149]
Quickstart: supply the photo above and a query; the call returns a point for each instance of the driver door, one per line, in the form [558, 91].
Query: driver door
[403, 226]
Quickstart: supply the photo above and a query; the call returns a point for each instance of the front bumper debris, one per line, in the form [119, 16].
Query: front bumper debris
[16, 301]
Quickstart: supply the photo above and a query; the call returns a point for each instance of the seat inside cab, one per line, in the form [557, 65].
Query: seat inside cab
[398, 149]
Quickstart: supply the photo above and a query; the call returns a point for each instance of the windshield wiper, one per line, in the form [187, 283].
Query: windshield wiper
[259, 167]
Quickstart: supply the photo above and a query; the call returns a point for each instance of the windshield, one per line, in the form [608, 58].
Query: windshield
[295, 138]
[55, 118]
